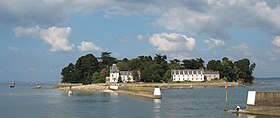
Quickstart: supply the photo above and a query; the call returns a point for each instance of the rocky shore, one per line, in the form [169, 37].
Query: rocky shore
[163, 86]
[84, 88]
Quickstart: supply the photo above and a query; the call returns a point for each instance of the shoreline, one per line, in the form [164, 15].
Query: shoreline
[163, 86]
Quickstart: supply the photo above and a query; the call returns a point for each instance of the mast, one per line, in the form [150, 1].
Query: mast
[226, 87]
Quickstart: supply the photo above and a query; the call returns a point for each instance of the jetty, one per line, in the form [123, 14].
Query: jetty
[148, 92]
[262, 103]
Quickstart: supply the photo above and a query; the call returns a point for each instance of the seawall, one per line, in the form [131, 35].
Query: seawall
[267, 103]
[147, 92]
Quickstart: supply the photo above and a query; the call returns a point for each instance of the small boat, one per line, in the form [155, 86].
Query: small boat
[13, 85]
[37, 87]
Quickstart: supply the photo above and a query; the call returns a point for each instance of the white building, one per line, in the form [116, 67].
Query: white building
[211, 75]
[126, 76]
[187, 75]
[193, 75]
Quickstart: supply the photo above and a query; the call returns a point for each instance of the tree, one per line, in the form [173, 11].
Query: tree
[162, 64]
[167, 76]
[193, 63]
[227, 69]
[244, 71]
[123, 65]
[149, 72]
[86, 66]
[69, 74]
[214, 65]
[135, 75]
[97, 78]
[175, 61]
[107, 60]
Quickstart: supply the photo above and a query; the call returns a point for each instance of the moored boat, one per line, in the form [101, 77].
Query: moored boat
[13, 85]
[37, 87]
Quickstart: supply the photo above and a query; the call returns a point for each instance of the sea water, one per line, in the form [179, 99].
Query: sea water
[200, 102]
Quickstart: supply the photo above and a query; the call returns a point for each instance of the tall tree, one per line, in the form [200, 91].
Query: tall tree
[227, 69]
[86, 66]
[149, 72]
[214, 65]
[244, 71]
[107, 60]
[69, 74]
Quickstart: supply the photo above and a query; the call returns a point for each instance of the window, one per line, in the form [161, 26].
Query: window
[194, 72]
[181, 72]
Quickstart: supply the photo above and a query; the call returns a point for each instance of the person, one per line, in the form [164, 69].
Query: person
[70, 91]
[237, 108]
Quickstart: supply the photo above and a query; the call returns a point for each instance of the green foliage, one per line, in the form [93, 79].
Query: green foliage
[107, 60]
[240, 70]
[97, 78]
[85, 67]
[150, 72]
[167, 76]
[120, 79]
[89, 70]
[193, 63]
[69, 74]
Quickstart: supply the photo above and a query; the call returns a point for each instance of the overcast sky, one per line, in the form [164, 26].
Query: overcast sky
[40, 37]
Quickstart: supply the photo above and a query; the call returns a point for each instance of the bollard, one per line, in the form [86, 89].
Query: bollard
[157, 93]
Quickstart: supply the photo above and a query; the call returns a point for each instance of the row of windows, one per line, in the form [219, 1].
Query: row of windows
[185, 72]
[187, 75]
[182, 79]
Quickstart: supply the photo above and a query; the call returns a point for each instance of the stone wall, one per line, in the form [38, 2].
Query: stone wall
[267, 99]
[267, 103]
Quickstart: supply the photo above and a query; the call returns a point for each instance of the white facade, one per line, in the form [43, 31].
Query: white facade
[194, 75]
[114, 77]
[212, 75]
[126, 76]
[187, 75]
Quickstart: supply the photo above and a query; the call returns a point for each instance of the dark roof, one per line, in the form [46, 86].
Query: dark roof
[125, 72]
[114, 69]
[207, 72]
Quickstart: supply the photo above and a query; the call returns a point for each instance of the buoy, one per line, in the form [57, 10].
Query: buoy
[70, 93]
[157, 93]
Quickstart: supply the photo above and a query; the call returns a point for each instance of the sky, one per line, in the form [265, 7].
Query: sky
[40, 37]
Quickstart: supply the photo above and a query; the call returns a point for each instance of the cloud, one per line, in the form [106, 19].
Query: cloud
[172, 42]
[88, 46]
[276, 41]
[180, 56]
[57, 37]
[211, 17]
[14, 49]
[213, 43]
[218, 16]
[241, 49]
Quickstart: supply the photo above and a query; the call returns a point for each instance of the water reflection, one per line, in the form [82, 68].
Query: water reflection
[114, 97]
[157, 103]
[156, 109]
[254, 116]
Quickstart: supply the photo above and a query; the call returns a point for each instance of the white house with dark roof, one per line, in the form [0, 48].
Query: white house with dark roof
[126, 76]
[193, 75]
[215, 75]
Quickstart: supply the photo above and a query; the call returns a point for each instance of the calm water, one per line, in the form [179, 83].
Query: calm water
[25, 102]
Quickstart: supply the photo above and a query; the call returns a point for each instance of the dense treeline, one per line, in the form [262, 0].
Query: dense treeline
[90, 69]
